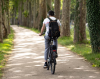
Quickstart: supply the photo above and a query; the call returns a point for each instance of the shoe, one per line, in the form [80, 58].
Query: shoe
[45, 65]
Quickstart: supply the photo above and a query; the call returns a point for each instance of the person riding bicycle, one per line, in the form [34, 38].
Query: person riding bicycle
[47, 38]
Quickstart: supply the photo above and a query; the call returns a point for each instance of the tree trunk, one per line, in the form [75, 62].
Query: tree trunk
[25, 18]
[30, 14]
[94, 24]
[14, 12]
[80, 20]
[8, 24]
[34, 15]
[37, 14]
[42, 12]
[1, 34]
[65, 30]
[20, 13]
[4, 21]
[32, 6]
[57, 9]
[48, 5]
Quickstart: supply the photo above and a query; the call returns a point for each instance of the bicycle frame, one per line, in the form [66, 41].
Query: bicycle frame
[51, 57]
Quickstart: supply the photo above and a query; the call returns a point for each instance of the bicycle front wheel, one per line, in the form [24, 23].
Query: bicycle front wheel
[53, 65]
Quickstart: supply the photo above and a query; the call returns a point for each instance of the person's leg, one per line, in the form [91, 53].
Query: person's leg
[47, 47]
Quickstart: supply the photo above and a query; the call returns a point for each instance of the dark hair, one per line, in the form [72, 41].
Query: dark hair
[51, 13]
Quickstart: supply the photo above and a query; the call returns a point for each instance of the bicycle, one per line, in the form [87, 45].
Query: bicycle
[51, 61]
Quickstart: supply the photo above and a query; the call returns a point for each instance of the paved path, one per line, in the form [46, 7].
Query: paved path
[27, 60]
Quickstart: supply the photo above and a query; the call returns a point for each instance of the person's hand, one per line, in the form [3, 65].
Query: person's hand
[40, 34]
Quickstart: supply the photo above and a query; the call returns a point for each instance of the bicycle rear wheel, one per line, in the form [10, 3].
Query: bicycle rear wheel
[48, 63]
[53, 65]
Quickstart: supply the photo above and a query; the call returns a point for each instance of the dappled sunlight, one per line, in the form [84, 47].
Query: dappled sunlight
[15, 77]
[27, 60]
[78, 68]
[23, 55]
[38, 65]
[17, 64]
[39, 57]
[17, 71]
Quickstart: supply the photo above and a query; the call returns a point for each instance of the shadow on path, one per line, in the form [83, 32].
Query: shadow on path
[27, 59]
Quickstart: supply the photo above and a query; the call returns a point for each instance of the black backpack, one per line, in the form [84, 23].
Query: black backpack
[53, 29]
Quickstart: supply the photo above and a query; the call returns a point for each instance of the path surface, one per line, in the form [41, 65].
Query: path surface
[27, 60]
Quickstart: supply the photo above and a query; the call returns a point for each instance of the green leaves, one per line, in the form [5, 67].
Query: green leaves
[26, 13]
[93, 12]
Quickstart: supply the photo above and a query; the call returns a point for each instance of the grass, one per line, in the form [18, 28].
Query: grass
[81, 49]
[5, 50]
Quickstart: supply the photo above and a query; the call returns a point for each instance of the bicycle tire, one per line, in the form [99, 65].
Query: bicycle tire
[53, 65]
[48, 63]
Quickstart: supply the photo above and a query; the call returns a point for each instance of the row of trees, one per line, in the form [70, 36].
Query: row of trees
[31, 13]
[4, 19]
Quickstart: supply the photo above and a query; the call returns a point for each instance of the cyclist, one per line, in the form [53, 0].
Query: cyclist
[47, 38]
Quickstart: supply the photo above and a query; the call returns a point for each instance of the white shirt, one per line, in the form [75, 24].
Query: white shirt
[46, 22]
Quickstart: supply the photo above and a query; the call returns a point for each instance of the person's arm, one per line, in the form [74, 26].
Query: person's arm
[42, 29]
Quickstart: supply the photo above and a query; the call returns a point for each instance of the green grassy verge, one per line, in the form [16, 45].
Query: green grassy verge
[5, 50]
[81, 49]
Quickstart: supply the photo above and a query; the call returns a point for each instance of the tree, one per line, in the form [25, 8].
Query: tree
[30, 13]
[80, 20]
[65, 30]
[1, 34]
[20, 12]
[48, 3]
[25, 14]
[57, 9]
[42, 12]
[8, 24]
[34, 15]
[4, 22]
[37, 13]
[94, 24]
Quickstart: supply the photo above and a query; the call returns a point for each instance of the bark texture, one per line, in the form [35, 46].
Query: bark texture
[57, 8]
[48, 5]
[94, 24]
[1, 34]
[80, 21]
[65, 30]
[37, 14]
[42, 12]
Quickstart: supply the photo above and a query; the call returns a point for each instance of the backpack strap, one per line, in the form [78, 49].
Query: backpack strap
[51, 19]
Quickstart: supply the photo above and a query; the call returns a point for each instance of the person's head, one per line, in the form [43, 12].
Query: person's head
[51, 13]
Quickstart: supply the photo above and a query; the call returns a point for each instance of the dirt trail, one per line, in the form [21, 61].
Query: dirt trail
[27, 60]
